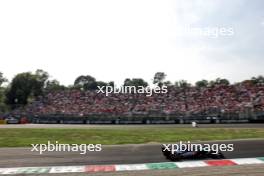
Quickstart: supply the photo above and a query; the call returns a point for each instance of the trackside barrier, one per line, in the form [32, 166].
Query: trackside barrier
[139, 119]
[23, 120]
[2, 122]
[103, 121]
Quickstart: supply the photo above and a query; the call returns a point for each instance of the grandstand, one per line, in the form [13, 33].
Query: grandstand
[241, 102]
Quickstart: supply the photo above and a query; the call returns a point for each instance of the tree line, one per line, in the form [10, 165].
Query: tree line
[27, 86]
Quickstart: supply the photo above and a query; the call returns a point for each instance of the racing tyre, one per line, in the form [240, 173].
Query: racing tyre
[174, 157]
[217, 156]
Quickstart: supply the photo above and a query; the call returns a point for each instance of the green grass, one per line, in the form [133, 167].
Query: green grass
[24, 137]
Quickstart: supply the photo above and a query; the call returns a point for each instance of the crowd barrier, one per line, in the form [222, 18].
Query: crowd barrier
[2, 122]
[144, 118]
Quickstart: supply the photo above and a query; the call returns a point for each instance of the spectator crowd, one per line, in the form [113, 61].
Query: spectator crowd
[193, 100]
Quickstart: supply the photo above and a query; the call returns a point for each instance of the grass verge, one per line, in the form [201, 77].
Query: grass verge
[25, 137]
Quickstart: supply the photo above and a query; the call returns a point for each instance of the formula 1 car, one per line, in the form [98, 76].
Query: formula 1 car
[200, 154]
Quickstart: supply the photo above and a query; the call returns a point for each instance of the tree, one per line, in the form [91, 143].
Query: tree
[202, 83]
[219, 81]
[184, 84]
[86, 82]
[159, 78]
[212, 83]
[135, 82]
[25, 86]
[3, 106]
[41, 76]
[20, 89]
[177, 84]
[257, 80]
[167, 83]
[2, 79]
[111, 83]
[40, 81]
[53, 85]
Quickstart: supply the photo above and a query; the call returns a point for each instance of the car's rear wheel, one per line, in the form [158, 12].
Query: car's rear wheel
[217, 156]
[174, 157]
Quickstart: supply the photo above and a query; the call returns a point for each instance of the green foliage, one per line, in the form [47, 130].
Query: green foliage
[89, 83]
[54, 85]
[257, 80]
[39, 81]
[219, 81]
[3, 106]
[2, 79]
[135, 82]
[184, 84]
[167, 83]
[159, 77]
[111, 83]
[85, 82]
[25, 86]
[202, 83]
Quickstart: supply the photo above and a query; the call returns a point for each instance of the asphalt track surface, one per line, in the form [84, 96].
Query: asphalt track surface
[129, 154]
[123, 154]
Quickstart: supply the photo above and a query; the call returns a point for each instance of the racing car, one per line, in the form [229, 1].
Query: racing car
[185, 154]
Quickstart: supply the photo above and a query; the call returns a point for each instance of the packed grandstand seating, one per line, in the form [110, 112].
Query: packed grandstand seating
[221, 98]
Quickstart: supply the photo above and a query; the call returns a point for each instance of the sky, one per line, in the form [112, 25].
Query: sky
[116, 39]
